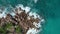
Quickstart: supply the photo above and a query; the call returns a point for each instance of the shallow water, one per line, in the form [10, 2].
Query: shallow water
[49, 9]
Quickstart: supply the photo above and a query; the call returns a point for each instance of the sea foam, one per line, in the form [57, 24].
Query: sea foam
[3, 13]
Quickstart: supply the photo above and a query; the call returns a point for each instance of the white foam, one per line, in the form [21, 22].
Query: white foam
[3, 14]
[32, 31]
[21, 6]
[27, 9]
[34, 14]
[13, 14]
[38, 25]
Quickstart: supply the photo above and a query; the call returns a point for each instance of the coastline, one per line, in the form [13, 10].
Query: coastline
[35, 23]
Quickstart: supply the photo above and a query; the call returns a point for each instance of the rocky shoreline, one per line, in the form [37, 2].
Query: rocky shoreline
[21, 19]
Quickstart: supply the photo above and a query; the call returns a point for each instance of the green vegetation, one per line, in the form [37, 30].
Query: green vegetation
[18, 29]
[3, 29]
[8, 25]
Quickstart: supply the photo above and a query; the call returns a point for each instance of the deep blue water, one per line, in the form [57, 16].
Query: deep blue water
[48, 9]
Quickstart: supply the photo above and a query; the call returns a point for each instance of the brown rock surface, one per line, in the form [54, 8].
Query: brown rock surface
[19, 19]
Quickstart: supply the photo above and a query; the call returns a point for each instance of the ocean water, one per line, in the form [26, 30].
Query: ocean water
[48, 9]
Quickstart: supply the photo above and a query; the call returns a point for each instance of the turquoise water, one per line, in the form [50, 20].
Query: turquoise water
[49, 9]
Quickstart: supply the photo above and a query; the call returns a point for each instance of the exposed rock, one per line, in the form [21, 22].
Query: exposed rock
[22, 19]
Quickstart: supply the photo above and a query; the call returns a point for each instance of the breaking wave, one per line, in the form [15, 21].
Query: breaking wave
[11, 10]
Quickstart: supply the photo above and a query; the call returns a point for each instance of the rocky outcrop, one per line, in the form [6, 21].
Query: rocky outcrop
[21, 19]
